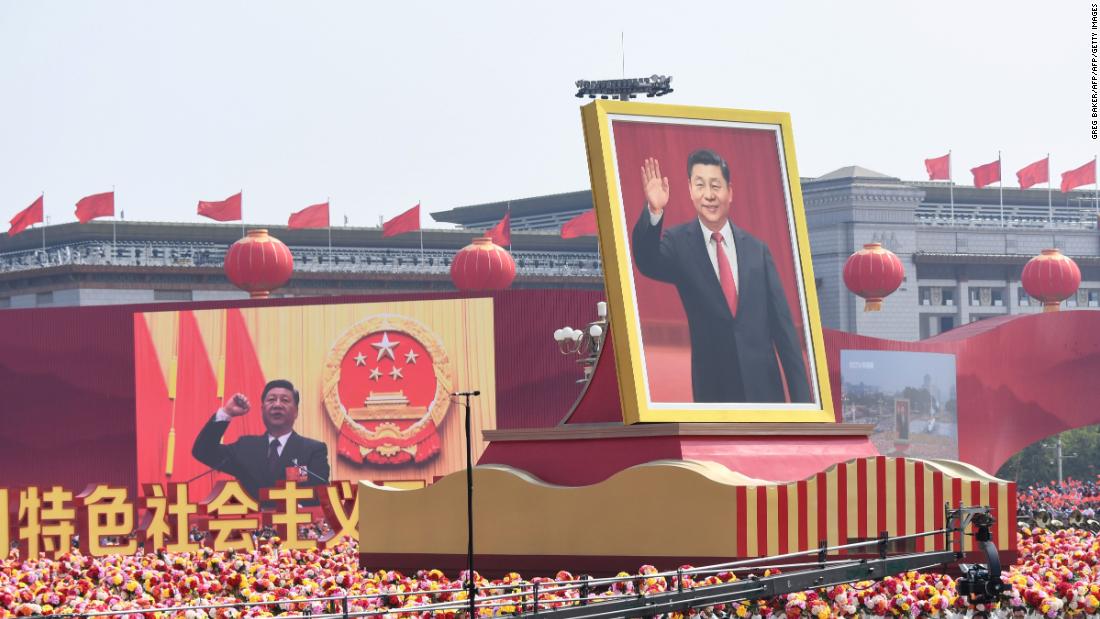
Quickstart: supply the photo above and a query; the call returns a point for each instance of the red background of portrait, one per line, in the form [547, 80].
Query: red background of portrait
[758, 207]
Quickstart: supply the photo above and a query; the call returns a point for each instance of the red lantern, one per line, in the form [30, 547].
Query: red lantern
[483, 265]
[258, 263]
[1051, 278]
[873, 273]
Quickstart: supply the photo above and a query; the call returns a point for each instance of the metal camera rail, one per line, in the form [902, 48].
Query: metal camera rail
[589, 598]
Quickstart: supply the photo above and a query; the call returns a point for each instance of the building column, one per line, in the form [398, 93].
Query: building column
[964, 300]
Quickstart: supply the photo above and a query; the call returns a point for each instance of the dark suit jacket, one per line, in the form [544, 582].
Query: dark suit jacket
[732, 359]
[246, 459]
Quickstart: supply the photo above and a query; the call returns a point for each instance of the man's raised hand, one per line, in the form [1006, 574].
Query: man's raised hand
[236, 405]
[655, 186]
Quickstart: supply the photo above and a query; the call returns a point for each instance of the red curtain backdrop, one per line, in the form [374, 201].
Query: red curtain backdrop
[759, 207]
[196, 401]
[154, 409]
[243, 374]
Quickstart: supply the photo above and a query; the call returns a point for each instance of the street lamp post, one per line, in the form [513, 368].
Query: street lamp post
[587, 342]
[470, 585]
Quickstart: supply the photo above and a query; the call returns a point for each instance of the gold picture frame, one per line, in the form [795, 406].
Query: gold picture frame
[653, 345]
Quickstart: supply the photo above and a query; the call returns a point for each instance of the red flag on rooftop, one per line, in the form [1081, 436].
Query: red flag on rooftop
[1035, 173]
[96, 205]
[939, 168]
[501, 234]
[1084, 175]
[409, 221]
[228, 209]
[24, 218]
[987, 173]
[315, 216]
[581, 225]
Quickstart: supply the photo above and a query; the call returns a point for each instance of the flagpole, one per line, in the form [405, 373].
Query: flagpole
[418, 225]
[1001, 182]
[1050, 193]
[328, 201]
[509, 214]
[951, 187]
[1096, 186]
[114, 222]
[43, 196]
[243, 233]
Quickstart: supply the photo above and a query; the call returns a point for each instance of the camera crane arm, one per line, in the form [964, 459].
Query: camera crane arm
[982, 583]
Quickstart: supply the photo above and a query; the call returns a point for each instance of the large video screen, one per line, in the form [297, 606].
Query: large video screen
[373, 383]
[910, 398]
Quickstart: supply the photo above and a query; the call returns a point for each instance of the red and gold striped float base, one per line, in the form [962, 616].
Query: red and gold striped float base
[667, 513]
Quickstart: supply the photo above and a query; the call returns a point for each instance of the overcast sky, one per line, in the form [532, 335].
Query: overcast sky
[381, 105]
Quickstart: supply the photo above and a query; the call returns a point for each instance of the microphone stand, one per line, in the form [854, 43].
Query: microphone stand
[216, 467]
[472, 595]
[305, 469]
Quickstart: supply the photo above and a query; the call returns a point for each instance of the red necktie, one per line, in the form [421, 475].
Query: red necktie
[273, 455]
[725, 274]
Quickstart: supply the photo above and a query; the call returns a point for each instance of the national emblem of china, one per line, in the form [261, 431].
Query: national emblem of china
[386, 386]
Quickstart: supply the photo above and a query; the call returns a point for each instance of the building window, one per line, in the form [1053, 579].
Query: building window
[985, 296]
[936, 295]
[43, 298]
[1093, 296]
[172, 295]
[5, 301]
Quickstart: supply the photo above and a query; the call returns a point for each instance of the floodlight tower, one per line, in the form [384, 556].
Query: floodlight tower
[625, 89]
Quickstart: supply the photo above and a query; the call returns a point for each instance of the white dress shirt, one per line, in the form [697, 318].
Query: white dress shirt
[728, 245]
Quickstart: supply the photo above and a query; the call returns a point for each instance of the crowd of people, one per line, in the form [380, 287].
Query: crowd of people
[1061, 500]
[316, 530]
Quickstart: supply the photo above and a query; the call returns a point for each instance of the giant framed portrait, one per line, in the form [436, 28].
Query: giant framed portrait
[713, 308]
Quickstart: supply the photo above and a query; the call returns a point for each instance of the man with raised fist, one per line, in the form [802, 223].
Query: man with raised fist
[260, 461]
